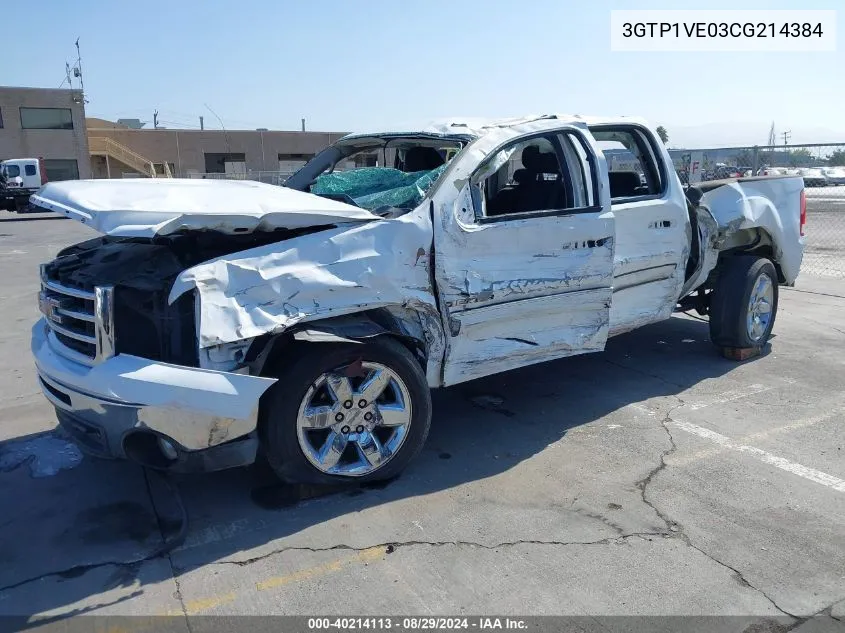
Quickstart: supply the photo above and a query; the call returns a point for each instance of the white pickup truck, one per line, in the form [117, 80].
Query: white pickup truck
[215, 321]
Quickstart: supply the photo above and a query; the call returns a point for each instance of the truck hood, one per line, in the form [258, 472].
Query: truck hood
[145, 207]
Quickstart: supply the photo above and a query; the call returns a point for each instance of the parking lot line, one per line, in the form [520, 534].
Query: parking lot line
[730, 395]
[363, 556]
[811, 474]
[837, 409]
[200, 605]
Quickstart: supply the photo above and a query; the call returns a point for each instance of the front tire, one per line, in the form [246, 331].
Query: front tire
[347, 412]
[744, 302]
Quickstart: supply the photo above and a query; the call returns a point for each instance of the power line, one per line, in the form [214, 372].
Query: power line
[225, 133]
[193, 117]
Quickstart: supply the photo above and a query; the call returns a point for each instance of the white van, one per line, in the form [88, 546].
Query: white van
[21, 177]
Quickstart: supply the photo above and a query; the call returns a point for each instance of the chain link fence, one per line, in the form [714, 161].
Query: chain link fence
[822, 166]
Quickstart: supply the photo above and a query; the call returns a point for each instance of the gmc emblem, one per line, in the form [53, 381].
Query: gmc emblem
[47, 305]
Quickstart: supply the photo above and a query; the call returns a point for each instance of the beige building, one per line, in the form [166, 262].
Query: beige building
[119, 151]
[45, 123]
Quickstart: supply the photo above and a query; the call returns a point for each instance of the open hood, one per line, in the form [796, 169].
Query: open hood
[144, 207]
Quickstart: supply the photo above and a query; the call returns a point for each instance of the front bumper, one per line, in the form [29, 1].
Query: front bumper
[12, 194]
[209, 417]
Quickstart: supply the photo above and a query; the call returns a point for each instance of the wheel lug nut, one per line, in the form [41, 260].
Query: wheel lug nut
[359, 429]
[338, 417]
[344, 430]
[347, 404]
[362, 403]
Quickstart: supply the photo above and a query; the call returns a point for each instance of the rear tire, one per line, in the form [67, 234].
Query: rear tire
[315, 430]
[744, 302]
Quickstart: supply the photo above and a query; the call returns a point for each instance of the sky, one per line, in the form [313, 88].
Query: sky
[379, 64]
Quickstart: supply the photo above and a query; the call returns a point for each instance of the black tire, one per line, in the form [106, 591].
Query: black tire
[729, 301]
[280, 406]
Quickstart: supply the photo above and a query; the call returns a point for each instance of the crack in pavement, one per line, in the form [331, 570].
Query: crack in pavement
[78, 570]
[173, 575]
[826, 611]
[675, 526]
[392, 546]
[811, 292]
[738, 575]
[674, 530]
[642, 484]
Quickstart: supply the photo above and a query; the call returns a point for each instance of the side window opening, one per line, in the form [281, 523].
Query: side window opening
[527, 177]
[631, 162]
[29, 170]
[542, 173]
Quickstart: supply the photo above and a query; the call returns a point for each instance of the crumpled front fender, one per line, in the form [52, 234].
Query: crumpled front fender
[347, 269]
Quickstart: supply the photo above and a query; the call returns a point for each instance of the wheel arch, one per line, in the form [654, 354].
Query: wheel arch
[755, 241]
[419, 330]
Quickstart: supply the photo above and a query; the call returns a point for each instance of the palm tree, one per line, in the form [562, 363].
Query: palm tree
[663, 134]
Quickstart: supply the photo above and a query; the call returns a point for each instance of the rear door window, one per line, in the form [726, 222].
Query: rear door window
[633, 166]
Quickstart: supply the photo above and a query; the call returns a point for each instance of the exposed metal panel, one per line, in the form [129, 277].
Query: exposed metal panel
[500, 337]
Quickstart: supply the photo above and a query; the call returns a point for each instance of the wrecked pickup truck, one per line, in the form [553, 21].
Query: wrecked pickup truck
[215, 322]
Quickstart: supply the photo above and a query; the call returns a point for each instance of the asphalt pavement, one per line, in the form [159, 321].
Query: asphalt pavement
[653, 479]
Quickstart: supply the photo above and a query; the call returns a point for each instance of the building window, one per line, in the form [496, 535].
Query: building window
[289, 163]
[61, 169]
[1, 119]
[225, 163]
[46, 119]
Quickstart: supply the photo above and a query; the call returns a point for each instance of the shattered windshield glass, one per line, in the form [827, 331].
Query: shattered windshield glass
[375, 187]
[384, 174]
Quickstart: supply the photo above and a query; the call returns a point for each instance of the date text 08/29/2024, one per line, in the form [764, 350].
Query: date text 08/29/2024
[416, 623]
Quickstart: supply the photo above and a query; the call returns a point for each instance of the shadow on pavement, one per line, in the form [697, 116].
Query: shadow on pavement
[101, 512]
[30, 217]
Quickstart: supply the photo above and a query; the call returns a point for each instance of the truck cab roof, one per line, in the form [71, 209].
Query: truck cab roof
[476, 127]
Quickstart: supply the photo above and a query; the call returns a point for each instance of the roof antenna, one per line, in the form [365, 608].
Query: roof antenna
[77, 72]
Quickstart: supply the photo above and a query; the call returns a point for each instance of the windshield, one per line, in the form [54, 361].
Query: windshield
[11, 171]
[386, 175]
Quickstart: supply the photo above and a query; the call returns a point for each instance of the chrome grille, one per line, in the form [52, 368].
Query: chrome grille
[81, 320]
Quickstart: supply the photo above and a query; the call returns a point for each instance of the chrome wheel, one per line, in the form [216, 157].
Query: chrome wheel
[353, 425]
[760, 307]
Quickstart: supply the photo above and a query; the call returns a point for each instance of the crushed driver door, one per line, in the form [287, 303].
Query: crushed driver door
[524, 242]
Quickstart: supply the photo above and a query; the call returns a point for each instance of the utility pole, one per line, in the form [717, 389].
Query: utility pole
[202, 124]
[786, 136]
[155, 120]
